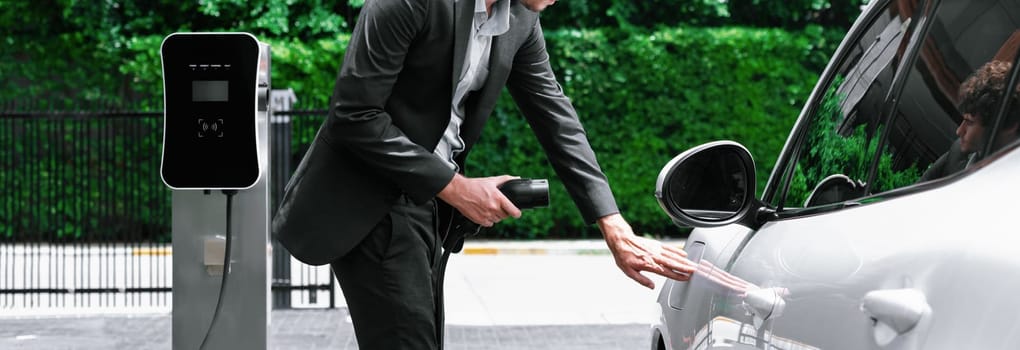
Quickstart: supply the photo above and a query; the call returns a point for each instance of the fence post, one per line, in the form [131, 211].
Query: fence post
[281, 100]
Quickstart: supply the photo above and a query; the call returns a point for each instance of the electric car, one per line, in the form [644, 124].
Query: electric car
[855, 241]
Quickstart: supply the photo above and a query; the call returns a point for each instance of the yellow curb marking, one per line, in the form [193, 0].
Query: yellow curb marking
[152, 251]
[535, 251]
[468, 251]
[481, 251]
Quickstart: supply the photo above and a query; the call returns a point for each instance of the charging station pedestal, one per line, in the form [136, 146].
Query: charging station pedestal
[216, 141]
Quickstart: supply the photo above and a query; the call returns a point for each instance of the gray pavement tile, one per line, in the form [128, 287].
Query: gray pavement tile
[304, 329]
[92, 332]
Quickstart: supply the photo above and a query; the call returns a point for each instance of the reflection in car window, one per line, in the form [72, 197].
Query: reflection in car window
[848, 122]
[972, 39]
[842, 135]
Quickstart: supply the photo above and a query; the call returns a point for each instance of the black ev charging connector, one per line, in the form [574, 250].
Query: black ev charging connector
[527, 193]
[523, 193]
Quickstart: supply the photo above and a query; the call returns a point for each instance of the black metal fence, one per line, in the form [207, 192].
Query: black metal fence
[85, 218]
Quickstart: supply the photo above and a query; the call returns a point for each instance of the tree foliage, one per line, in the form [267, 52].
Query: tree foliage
[792, 14]
[51, 47]
[648, 78]
[645, 98]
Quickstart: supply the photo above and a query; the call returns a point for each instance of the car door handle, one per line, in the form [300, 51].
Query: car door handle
[678, 291]
[899, 309]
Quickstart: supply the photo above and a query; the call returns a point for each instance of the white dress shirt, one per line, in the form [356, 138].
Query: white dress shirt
[476, 70]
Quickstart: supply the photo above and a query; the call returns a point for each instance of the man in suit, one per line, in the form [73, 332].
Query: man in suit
[417, 83]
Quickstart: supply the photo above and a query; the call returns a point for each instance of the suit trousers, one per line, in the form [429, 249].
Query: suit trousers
[390, 281]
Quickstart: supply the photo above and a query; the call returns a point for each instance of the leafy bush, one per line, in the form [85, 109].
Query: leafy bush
[644, 96]
[51, 48]
[790, 14]
[794, 13]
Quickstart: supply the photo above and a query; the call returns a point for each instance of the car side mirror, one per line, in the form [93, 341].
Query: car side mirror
[709, 185]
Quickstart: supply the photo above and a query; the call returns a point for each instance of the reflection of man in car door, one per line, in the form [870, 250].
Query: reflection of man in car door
[980, 96]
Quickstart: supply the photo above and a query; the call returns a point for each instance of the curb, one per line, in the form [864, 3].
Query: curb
[165, 251]
[538, 247]
[592, 247]
[531, 251]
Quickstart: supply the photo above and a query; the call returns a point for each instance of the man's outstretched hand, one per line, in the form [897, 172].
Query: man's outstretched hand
[634, 254]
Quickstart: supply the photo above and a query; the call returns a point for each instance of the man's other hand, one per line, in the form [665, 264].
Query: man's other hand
[634, 254]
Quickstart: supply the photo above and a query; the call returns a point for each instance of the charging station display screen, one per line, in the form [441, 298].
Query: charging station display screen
[210, 91]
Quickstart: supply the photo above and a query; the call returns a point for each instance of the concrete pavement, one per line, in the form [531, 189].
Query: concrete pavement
[303, 330]
[499, 295]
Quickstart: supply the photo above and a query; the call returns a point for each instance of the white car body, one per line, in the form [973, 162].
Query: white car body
[927, 265]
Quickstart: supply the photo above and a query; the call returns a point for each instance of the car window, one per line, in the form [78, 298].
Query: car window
[841, 136]
[967, 51]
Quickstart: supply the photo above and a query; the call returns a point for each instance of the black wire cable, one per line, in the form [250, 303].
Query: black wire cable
[440, 312]
[226, 268]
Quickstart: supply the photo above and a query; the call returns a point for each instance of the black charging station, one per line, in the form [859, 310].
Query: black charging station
[216, 137]
[210, 100]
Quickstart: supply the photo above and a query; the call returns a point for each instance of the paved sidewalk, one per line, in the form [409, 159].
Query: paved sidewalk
[303, 330]
[500, 295]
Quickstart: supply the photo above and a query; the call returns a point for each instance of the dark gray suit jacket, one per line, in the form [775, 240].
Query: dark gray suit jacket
[390, 107]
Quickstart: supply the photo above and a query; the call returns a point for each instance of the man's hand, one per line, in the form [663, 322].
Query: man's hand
[479, 199]
[634, 254]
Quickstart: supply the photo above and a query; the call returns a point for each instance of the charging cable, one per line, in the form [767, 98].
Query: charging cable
[226, 268]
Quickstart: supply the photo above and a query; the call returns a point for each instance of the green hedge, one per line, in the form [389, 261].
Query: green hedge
[644, 96]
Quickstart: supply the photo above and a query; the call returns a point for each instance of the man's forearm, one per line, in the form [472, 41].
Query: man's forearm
[613, 226]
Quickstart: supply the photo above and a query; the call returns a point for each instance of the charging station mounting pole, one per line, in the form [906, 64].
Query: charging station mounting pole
[216, 156]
